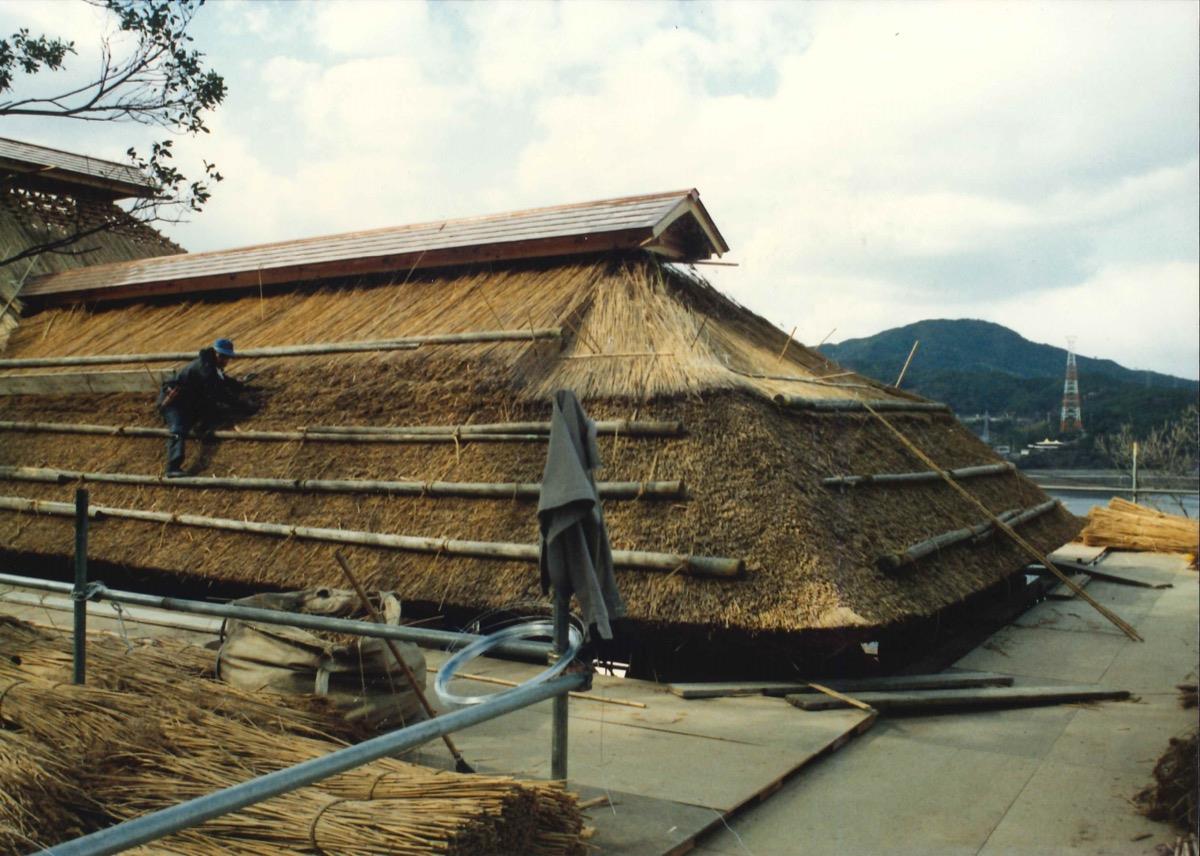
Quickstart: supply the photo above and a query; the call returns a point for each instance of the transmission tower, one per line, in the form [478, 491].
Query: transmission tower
[1072, 408]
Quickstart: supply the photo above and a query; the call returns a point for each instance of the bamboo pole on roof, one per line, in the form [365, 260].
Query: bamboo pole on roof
[926, 476]
[628, 427]
[398, 344]
[480, 490]
[799, 402]
[909, 555]
[271, 436]
[706, 566]
[1124, 626]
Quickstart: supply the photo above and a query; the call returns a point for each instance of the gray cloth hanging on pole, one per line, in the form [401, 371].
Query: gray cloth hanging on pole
[575, 554]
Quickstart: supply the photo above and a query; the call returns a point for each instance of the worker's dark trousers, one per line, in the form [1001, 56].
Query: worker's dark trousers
[179, 422]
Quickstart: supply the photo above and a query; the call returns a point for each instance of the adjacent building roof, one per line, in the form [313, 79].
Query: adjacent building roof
[119, 179]
[674, 225]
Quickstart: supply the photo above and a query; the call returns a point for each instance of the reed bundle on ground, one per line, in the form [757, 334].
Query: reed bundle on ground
[77, 758]
[1173, 796]
[1128, 526]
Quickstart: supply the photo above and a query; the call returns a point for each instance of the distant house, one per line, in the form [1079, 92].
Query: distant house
[47, 198]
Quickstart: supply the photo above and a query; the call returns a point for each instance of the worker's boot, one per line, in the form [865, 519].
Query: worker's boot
[175, 456]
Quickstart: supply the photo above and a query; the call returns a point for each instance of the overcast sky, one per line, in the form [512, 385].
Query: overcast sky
[1033, 164]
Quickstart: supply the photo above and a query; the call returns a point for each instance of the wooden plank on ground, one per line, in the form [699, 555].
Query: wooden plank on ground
[1061, 592]
[891, 683]
[1123, 580]
[981, 697]
[666, 750]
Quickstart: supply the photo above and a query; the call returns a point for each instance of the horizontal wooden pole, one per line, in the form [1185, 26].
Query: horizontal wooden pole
[892, 562]
[478, 490]
[72, 383]
[401, 344]
[850, 405]
[706, 566]
[981, 697]
[893, 683]
[626, 427]
[925, 476]
[269, 436]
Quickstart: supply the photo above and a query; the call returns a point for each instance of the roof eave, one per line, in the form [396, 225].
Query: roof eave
[114, 187]
[689, 206]
[575, 245]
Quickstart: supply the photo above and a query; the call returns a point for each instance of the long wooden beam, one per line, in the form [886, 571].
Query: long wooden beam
[406, 343]
[924, 476]
[703, 566]
[975, 697]
[891, 562]
[477, 490]
[270, 436]
[74, 383]
[620, 427]
[850, 405]
[890, 683]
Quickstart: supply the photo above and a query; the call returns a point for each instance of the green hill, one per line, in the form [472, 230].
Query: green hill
[977, 366]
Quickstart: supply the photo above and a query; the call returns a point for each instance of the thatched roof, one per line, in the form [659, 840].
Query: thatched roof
[640, 341]
[47, 195]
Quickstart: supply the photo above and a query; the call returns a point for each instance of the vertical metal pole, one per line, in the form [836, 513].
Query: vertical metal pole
[558, 741]
[1135, 451]
[81, 574]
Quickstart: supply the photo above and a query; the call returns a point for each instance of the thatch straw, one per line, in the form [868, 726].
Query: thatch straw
[1128, 526]
[753, 470]
[1173, 796]
[117, 755]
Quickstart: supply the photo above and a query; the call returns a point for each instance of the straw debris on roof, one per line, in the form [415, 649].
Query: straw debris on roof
[640, 341]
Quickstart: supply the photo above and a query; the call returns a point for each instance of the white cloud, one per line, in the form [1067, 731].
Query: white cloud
[870, 164]
[1144, 316]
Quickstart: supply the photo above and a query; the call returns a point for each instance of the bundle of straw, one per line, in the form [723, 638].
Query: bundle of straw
[1128, 526]
[37, 799]
[1172, 797]
[171, 669]
[76, 758]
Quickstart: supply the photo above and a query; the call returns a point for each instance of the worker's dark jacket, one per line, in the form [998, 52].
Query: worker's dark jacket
[202, 390]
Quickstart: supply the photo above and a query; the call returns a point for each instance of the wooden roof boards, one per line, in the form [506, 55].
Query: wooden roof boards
[119, 179]
[674, 224]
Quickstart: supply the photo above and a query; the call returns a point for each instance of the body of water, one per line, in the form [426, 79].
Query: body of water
[1081, 500]
[1080, 503]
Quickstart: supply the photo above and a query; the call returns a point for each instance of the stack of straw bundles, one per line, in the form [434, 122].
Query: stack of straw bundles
[1127, 526]
[74, 759]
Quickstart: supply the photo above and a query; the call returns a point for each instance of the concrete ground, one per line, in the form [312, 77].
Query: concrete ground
[1043, 780]
[1050, 780]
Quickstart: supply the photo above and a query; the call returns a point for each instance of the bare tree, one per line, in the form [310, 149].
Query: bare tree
[149, 74]
[1170, 449]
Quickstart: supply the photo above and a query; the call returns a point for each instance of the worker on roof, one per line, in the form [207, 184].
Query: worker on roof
[201, 396]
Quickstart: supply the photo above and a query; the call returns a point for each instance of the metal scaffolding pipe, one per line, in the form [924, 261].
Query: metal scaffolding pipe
[185, 815]
[440, 639]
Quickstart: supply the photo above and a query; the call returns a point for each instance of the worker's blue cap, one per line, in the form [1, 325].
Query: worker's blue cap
[224, 347]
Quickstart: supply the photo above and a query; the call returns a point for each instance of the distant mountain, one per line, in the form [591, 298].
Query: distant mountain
[977, 366]
[968, 345]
